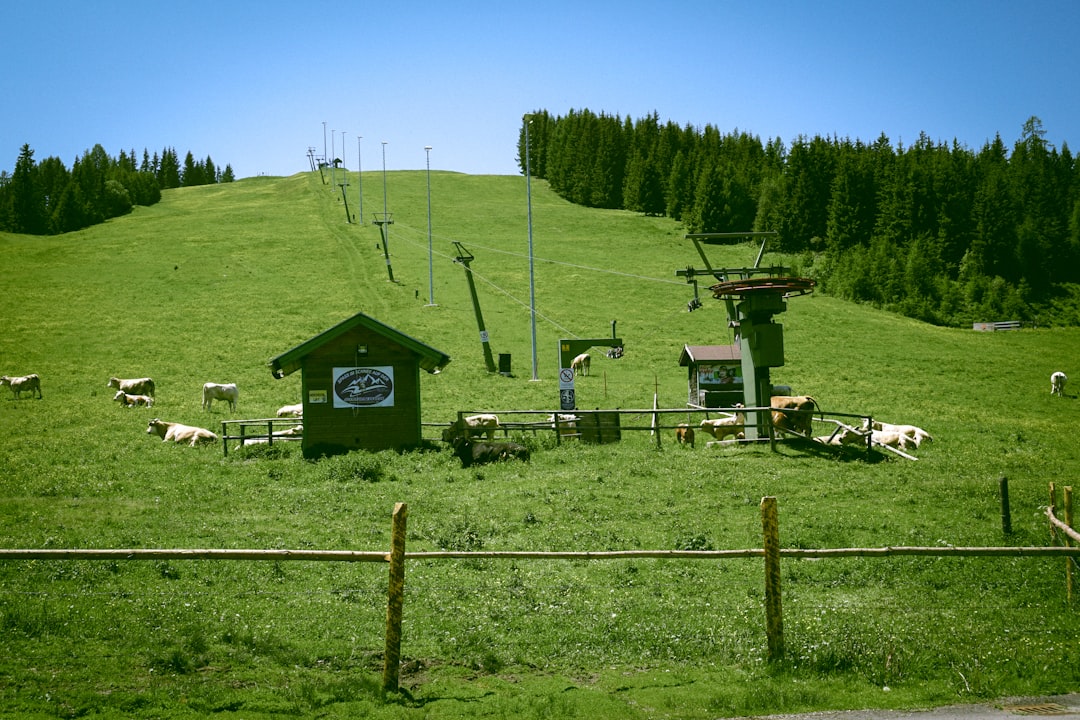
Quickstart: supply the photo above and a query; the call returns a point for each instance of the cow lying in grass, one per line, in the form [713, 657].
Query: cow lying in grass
[291, 410]
[127, 401]
[293, 432]
[916, 435]
[479, 453]
[175, 432]
[27, 383]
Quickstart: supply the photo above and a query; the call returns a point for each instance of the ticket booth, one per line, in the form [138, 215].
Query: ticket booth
[715, 375]
[360, 386]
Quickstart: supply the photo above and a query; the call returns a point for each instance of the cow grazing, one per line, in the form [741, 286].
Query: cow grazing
[27, 383]
[175, 432]
[291, 410]
[793, 413]
[684, 434]
[133, 386]
[720, 428]
[580, 364]
[917, 435]
[227, 392]
[126, 400]
[1057, 383]
[472, 426]
[479, 453]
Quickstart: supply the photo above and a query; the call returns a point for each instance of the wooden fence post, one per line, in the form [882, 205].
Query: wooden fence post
[1067, 501]
[395, 599]
[774, 618]
[1006, 514]
[1053, 510]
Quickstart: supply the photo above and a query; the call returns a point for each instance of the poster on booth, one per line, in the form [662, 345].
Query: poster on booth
[364, 387]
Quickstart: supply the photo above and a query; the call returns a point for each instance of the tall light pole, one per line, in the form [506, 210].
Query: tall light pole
[333, 165]
[430, 273]
[359, 180]
[323, 152]
[384, 212]
[532, 275]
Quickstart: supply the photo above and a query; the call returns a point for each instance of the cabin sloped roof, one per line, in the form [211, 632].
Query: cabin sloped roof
[709, 353]
[290, 361]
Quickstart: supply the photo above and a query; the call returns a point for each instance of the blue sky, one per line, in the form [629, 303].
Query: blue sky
[251, 83]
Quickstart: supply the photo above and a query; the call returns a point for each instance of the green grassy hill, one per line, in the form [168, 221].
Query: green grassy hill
[213, 281]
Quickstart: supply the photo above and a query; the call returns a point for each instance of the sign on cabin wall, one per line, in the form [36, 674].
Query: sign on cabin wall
[364, 387]
[717, 374]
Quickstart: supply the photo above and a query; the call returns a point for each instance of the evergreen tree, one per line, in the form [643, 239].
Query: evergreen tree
[27, 214]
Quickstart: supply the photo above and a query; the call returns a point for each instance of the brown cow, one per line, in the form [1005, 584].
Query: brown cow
[793, 413]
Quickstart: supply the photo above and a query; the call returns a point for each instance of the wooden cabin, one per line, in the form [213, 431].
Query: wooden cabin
[360, 386]
[715, 375]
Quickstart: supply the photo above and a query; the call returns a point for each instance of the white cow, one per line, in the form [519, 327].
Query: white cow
[291, 410]
[175, 432]
[27, 383]
[472, 426]
[215, 391]
[133, 386]
[891, 438]
[126, 400]
[917, 435]
[566, 424]
[580, 364]
[720, 428]
[1057, 383]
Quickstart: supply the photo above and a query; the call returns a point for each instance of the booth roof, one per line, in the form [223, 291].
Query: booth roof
[693, 354]
[290, 361]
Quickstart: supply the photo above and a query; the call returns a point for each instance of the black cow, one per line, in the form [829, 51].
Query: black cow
[478, 453]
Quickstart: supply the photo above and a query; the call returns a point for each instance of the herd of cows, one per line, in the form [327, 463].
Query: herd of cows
[789, 414]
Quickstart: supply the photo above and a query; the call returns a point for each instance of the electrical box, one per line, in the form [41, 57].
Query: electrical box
[767, 344]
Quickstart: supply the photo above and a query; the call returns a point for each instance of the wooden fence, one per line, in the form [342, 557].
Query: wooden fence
[257, 431]
[607, 425]
[771, 551]
[995, 326]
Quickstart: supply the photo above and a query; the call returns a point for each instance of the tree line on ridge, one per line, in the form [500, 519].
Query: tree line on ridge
[48, 199]
[932, 230]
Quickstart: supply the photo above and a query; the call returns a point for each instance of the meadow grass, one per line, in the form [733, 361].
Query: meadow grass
[213, 281]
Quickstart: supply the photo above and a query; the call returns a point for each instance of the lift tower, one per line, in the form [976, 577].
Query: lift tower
[753, 296]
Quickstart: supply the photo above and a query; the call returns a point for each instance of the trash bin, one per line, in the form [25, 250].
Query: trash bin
[504, 364]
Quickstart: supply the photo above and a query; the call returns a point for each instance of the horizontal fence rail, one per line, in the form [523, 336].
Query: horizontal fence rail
[378, 556]
[397, 556]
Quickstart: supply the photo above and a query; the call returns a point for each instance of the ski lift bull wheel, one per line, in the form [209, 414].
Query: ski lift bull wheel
[787, 286]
